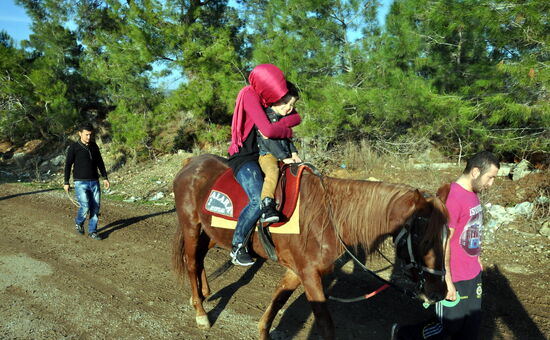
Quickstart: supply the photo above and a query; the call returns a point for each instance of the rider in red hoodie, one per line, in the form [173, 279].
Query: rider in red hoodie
[267, 86]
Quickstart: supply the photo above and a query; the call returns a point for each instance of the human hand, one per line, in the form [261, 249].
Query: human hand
[262, 135]
[106, 184]
[288, 161]
[296, 158]
[451, 292]
[66, 187]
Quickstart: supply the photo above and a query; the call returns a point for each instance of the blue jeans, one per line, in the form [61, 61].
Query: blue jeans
[251, 179]
[88, 196]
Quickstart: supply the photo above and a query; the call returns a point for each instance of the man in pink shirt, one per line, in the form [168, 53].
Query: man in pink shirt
[463, 264]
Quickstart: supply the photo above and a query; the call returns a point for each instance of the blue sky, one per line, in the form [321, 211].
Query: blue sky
[14, 20]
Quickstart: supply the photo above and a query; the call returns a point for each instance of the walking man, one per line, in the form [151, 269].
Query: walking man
[463, 265]
[84, 154]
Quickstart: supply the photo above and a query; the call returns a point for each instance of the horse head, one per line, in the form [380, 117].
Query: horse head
[420, 244]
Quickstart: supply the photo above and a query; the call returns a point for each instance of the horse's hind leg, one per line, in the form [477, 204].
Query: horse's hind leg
[288, 284]
[196, 247]
[205, 244]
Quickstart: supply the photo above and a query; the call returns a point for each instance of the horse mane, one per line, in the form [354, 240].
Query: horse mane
[437, 222]
[361, 210]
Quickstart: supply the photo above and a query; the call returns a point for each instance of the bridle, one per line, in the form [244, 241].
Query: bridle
[405, 236]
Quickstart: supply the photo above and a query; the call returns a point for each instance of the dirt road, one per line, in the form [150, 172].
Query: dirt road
[56, 284]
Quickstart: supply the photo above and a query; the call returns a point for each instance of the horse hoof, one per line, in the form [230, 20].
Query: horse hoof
[202, 322]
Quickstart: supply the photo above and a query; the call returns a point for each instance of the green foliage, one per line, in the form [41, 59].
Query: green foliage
[463, 75]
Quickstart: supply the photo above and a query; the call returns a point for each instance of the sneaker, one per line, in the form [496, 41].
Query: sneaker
[269, 214]
[79, 229]
[394, 331]
[95, 236]
[239, 256]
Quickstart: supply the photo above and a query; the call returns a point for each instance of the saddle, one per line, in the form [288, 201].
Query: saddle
[227, 198]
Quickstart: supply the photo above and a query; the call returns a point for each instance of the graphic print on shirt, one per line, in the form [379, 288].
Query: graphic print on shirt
[470, 239]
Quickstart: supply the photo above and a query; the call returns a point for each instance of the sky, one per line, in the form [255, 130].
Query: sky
[14, 20]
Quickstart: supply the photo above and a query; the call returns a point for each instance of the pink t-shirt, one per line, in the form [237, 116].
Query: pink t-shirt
[466, 218]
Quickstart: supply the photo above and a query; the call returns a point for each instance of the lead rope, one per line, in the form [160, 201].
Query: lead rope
[72, 200]
[356, 260]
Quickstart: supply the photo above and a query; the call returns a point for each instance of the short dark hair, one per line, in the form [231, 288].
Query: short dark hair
[483, 161]
[85, 126]
[292, 90]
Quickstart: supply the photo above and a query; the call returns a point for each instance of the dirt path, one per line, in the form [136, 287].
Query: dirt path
[56, 284]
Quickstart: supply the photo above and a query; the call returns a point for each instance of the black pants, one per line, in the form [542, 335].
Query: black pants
[460, 322]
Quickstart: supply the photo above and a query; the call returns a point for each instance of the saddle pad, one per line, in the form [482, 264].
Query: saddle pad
[227, 198]
[292, 226]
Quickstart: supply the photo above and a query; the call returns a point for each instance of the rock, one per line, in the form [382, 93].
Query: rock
[522, 169]
[505, 169]
[525, 208]
[157, 196]
[57, 161]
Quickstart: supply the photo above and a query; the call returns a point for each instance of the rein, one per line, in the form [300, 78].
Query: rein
[404, 231]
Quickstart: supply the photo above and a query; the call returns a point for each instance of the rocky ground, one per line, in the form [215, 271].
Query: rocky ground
[56, 284]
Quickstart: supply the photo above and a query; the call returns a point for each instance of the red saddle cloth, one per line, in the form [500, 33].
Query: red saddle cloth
[227, 198]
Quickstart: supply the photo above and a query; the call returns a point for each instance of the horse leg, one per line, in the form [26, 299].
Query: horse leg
[205, 244]
[288, 284]
[313, 287]
[194, 260]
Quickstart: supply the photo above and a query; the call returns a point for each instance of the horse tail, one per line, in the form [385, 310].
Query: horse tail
[178, 255]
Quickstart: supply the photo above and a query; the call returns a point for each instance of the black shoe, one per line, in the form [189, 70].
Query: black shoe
[239, 256]
[269, 214]
[79, 229]
[394, 331]
[95, 236]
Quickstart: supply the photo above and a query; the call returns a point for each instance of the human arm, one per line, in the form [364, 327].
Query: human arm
[290, 120]
[451, 289]
[101, 166]
[69, 161]
[256, 114]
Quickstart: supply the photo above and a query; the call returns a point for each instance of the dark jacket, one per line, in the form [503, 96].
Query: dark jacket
[86, 159]
[280, 148]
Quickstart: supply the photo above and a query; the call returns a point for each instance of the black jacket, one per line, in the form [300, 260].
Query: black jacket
[280, 148]
[86, 159]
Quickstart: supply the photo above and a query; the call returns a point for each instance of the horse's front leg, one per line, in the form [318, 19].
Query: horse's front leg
[288, 284]
[313, 287]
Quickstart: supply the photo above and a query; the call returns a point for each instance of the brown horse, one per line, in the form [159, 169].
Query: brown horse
[334, 214]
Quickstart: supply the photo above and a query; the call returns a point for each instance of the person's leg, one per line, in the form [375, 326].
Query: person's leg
[454, 317]
[250, 178]
[472, 318]
[270, 168]
[94, 204]
[82, 198]
[430, 329]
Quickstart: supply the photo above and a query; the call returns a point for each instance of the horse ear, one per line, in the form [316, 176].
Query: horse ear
[443, 192]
